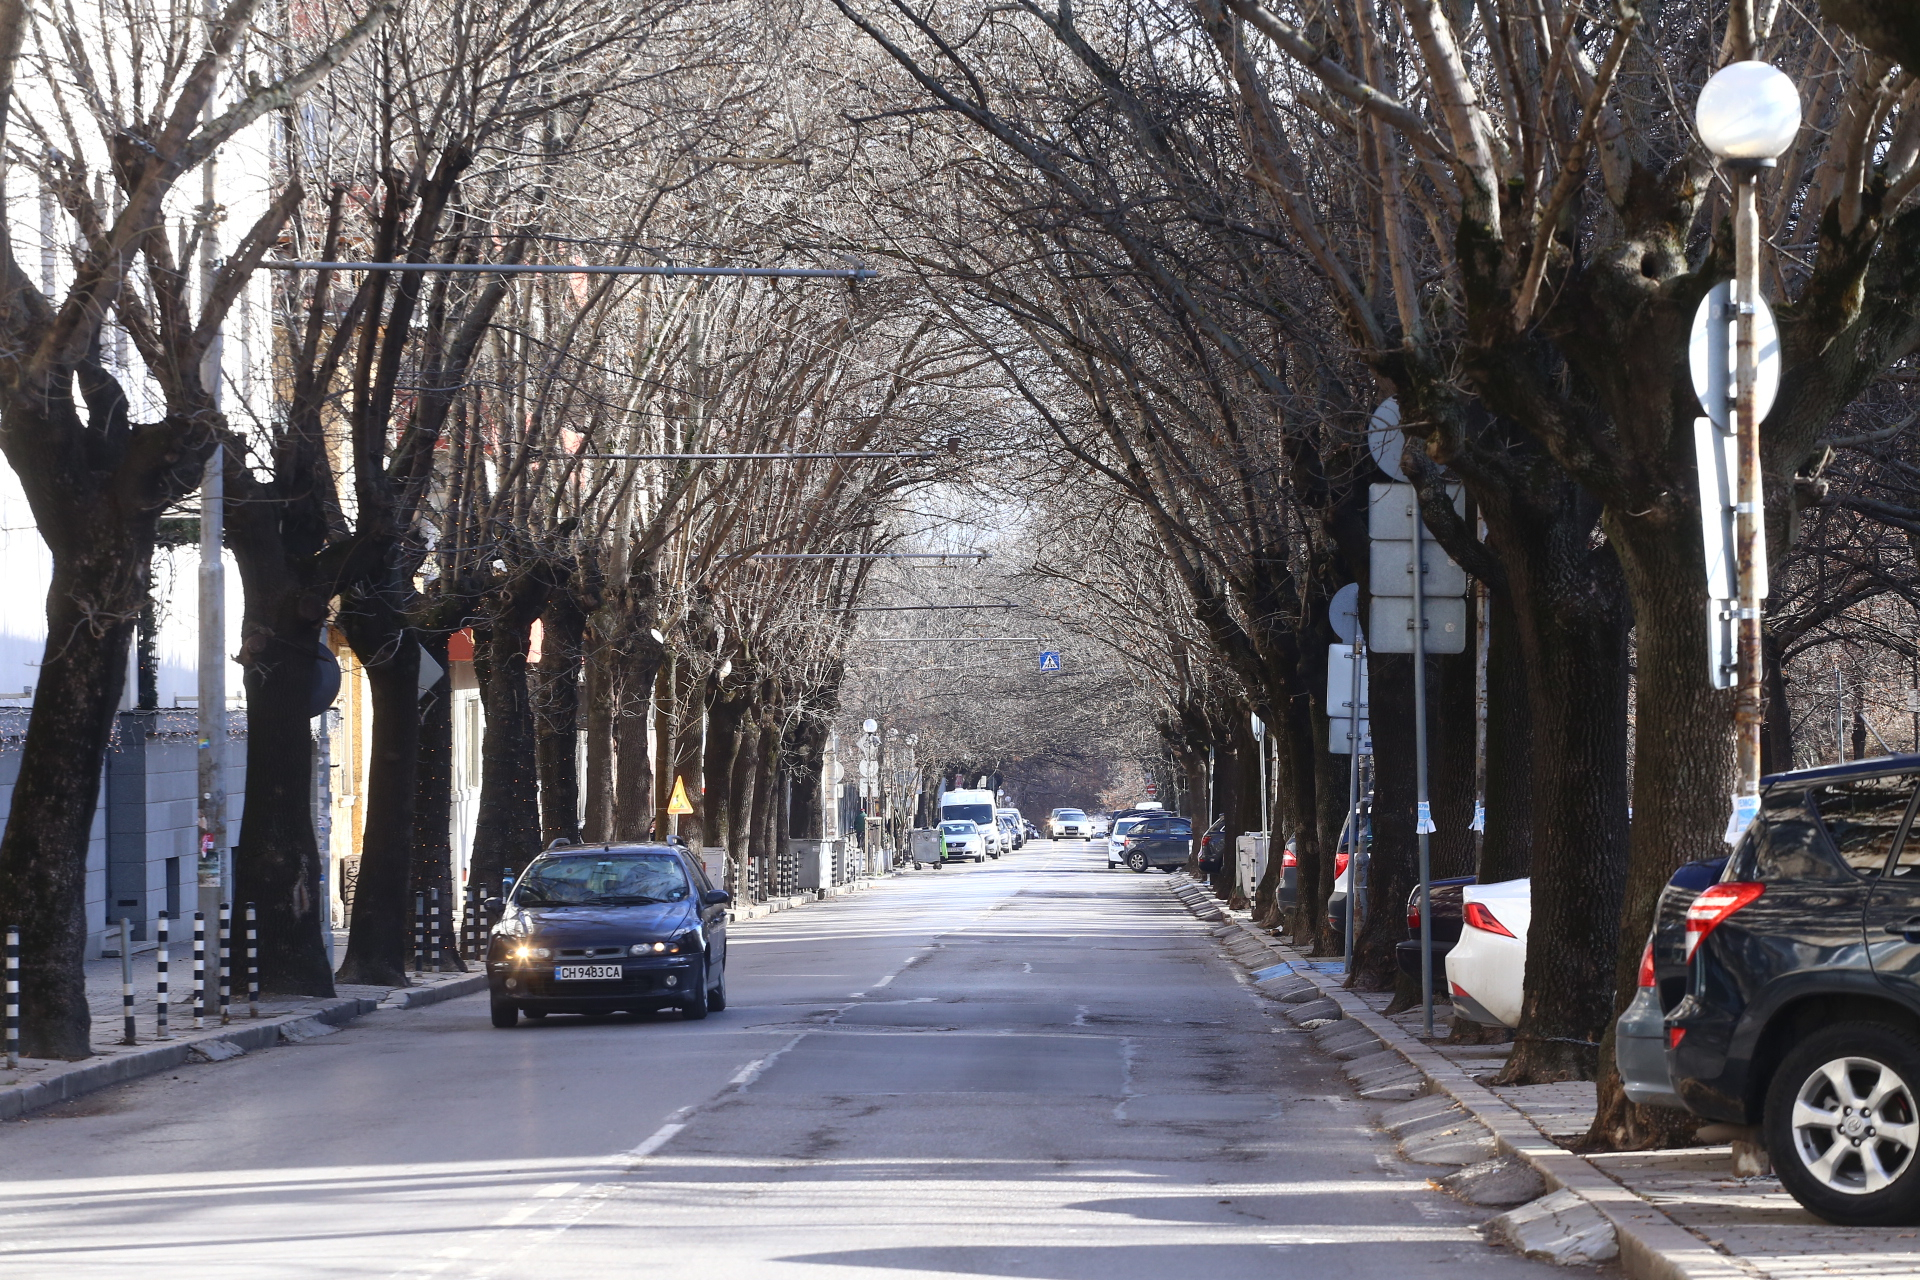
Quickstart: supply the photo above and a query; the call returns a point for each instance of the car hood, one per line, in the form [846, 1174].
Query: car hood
[562, 925]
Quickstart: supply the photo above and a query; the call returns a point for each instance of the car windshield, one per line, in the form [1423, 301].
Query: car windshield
[610, 879]
[1125, 825]
[1071, 815]
[959, 828]
[967, 812]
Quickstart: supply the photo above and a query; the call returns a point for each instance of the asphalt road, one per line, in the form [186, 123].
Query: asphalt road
[1033, 1068]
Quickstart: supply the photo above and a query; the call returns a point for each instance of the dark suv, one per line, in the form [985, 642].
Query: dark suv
[1163, 842]
[1791, 991]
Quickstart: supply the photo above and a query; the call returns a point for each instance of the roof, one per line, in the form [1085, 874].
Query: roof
[1850, 769]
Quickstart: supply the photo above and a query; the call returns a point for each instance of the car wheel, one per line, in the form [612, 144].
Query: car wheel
[717, 998]
[994, 856]
[1842, 1124]
[505, 1012]
[696, 1004]
[1137, 862]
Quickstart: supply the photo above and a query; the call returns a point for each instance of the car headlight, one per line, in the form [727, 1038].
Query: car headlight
[532, 953]
[647, 948]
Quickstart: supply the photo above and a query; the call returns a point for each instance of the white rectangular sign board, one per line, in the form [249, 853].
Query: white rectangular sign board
[1391, 565]
[1340, 681]
[1390, 509]
[1390, 625]
[1339, 736]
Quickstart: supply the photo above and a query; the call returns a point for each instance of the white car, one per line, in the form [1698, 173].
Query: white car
[961, 840]
[1067, 824]
[1487, 968]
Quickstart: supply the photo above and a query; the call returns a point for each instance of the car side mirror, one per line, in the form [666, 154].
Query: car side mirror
[716, 898]
[494, 906]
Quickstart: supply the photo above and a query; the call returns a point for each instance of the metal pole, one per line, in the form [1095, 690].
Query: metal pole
[226, 963]
[1748, 713]
[253, 963]
[1839, 716]
[1420, 768]
[13, 997]
[1354, 739]
[126, 982]
[1483, 646]
[199, 970]
[212, 682]
[160, 995]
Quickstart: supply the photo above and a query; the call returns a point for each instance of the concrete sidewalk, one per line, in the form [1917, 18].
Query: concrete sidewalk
[1678, 1214]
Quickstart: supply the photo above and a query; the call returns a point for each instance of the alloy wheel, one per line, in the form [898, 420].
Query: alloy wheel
[1855, 1126]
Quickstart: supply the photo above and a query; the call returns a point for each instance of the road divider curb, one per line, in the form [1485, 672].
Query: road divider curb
[1651, 1245]
[421, 997]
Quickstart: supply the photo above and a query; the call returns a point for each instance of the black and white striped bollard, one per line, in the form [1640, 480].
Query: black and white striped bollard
[161, 1029]
[419, 932]
[467, 923]
[199, 970]
[13, 997]
[126, 982]
[226, 963]
[433, 927]
[253, 964]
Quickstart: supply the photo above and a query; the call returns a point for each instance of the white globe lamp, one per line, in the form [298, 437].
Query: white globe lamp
[1748, 111]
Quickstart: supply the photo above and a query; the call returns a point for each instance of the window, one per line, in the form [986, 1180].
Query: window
[1862, 817]
[611, 879]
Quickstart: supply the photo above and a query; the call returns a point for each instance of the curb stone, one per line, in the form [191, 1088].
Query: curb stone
[85, 1077]
[1651, 1245]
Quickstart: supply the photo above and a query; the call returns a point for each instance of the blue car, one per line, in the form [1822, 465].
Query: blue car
[600, 929]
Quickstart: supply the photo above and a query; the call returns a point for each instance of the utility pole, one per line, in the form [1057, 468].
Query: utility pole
[215, 871]
[1423, 811]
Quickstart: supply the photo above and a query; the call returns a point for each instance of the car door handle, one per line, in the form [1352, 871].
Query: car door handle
[1904, 928]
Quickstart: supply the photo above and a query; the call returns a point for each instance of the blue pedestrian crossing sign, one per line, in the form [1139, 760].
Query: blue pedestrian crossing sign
[1050, 660]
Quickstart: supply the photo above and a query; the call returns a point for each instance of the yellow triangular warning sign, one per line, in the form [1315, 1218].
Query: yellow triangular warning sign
[679, 803]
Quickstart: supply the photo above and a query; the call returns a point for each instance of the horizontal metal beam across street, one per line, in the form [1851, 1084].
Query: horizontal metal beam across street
[558, 269]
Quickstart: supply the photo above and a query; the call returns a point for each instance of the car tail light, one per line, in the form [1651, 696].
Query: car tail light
[1476, 916]
[1457, 989]
[1674, 1036]
[1646, 965]
[1288, 860]
[1413, 917]
[1714, 905]
[1340, 864]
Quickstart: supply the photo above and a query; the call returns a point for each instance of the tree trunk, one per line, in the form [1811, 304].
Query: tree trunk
[1682, 778]
[379, 940]
[507, 834]
[760, 845]
[634, 805]
[276, 865]
[1393, 854]
[433, 799]
[1453, 761]
[43, 854]
[556, 703]
[807, 764]
[743, 769]
[689, 760]
[1506, 852]
[666, 706]
[602, 718]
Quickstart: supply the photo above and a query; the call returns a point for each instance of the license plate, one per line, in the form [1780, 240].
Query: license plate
[586, 972]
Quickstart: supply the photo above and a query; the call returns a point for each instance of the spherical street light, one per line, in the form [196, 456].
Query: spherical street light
[1748, 111]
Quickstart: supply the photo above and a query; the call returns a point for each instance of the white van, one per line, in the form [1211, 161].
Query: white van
[976, 807]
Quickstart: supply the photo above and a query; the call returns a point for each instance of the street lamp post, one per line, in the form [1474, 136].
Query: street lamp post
[1748, 114]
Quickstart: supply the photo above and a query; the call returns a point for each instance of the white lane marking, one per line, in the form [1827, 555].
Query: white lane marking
[757, 1068]
[883, 982]
[1026, 966]
[556, 1190]
[656, 1140]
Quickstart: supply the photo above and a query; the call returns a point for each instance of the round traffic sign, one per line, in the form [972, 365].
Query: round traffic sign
[1385, 440]
[1343, 612]
[1710, 356]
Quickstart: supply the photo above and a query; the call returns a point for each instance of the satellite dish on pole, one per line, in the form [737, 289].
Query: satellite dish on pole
[1385, 440]
[1343, 612]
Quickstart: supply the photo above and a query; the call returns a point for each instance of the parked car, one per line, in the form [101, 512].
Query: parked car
[607, 928]
[1448, 899]
[1640, 1036]
[1213, 847]
[1015, 828]
[962, 841]
[1798, 983]
[1117, 838]
[1488, 965]
[1164, 842]
[1098, 825]
[1289, 877]
[1033, 832]
[1337, 899]
[1068, 824]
